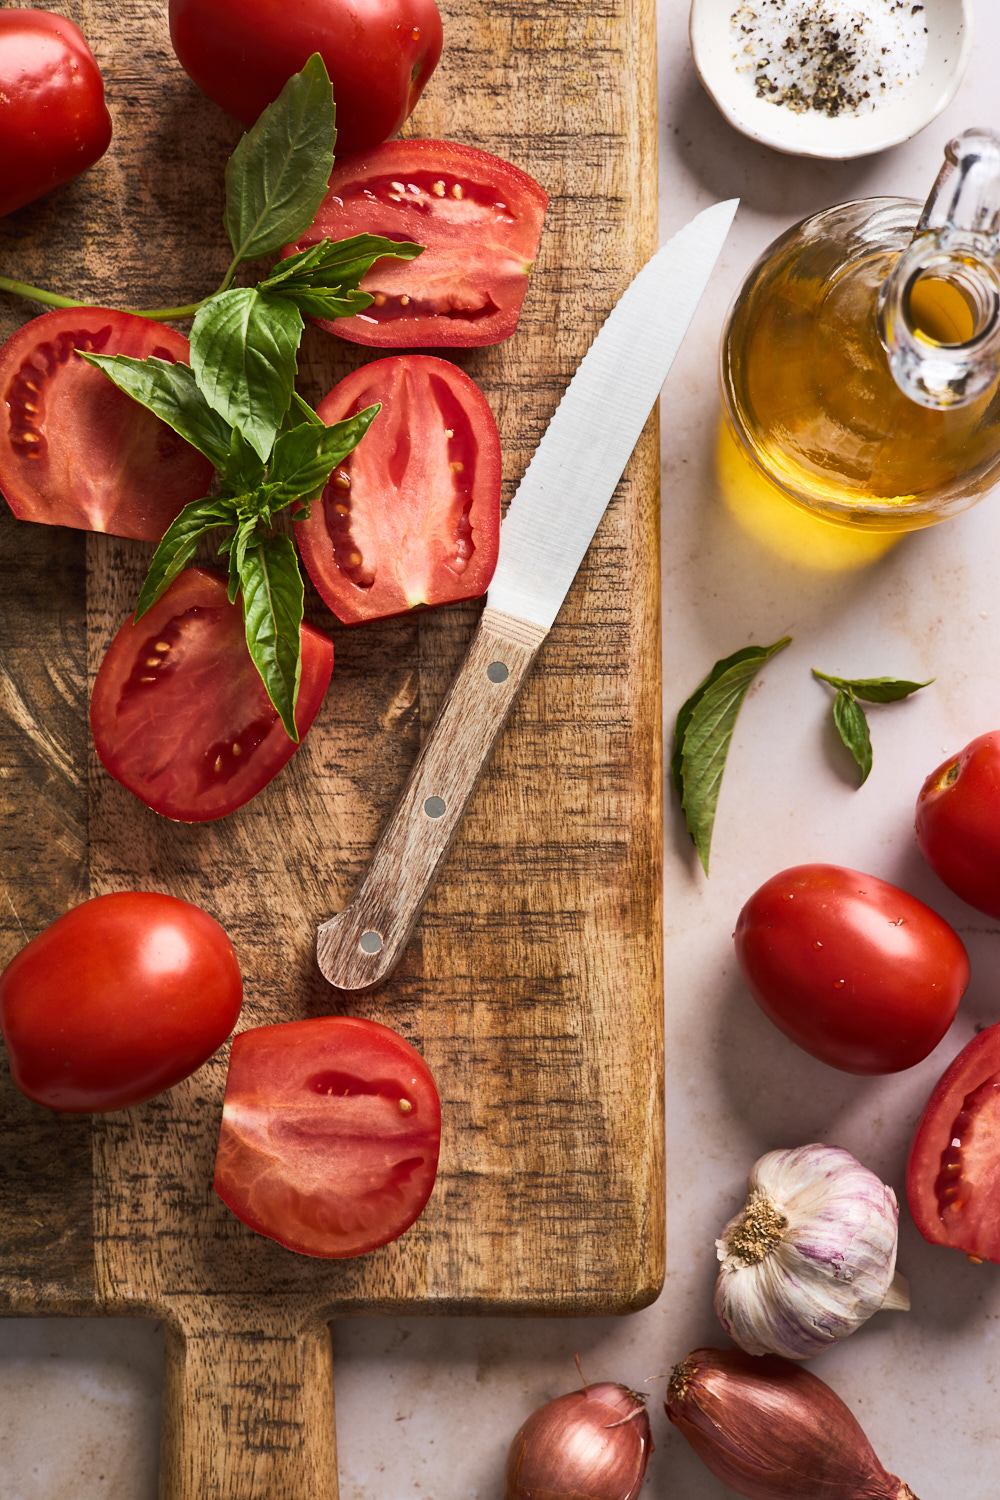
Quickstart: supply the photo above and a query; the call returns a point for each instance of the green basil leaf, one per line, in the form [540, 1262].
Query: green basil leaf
[245, 533]
[852, 726]
[273, 603]
[301, 408]
[277, 177]
[304, 458]
[243, 350]
[170, 390]
[322, 281]
[874, 689]
[245, 470]
[702, 737]
[178, 545]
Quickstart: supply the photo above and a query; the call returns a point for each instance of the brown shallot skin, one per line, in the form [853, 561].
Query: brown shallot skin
[772, 1431]
[593, 1444]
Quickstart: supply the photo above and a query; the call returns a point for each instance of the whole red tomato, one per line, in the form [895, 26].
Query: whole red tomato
[379, 55]
[855, 971]
[53, 121]
[953, 1174]
[117, 1000]
[330, 1134]
[958, 823]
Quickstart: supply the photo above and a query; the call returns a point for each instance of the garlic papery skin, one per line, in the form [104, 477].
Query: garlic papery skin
[811, 1255]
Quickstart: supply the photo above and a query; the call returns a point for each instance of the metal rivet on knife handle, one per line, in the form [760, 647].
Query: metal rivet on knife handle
[435, 807]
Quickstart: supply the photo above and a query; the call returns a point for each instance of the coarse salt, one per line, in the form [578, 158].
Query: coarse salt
[829, 55]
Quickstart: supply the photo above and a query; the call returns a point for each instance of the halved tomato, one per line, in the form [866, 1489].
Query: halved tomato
[953, 1174]
[480, 220]
[412, 516]
[74, 449]
[330, 1134]
[179, 713]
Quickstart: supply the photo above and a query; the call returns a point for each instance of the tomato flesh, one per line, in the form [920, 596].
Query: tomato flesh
[853, 970]
[379, 55]
[75, 450]
[479, 219]
[53, 120]
[953, 1172]
[330, 1135]
[412, 516]
[179, 713]
[118, 999]
[958, 823]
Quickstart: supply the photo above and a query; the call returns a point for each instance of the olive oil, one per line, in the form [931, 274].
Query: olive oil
[808, 387]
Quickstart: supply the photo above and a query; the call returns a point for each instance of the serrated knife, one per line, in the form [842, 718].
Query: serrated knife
[549, 526]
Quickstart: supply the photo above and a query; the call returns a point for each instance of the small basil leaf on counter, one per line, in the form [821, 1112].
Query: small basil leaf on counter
[171, 391]
[273, 606]
[243, 352]
[702, 736]
[177, 546]
[874, 689]
[277, 177]
[852, 726]
[849, 716]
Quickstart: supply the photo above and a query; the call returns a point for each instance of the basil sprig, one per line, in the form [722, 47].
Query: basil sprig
[702, 736]
[236, 402]
[849, 716]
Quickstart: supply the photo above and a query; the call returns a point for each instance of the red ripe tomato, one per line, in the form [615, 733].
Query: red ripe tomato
[75, 450]
[379, 55]
[958, 823]
[480, 220]
[953, 1174]
[412, 516]
[855, 971]
[330, 1135]
[179, 713]
[118, 1000]
[53, 121]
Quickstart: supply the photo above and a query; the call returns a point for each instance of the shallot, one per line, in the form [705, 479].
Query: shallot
[592, 1444]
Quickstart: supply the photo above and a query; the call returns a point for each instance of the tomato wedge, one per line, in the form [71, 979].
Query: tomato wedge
[179, 713]
[953, 1174]
[412, 516]
[480, 220]
[75, 450]
[330, 1134]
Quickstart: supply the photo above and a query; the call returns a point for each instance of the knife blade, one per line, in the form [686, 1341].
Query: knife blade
[548, 528]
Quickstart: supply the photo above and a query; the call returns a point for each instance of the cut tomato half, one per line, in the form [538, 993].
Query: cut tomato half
[412, 516]
[179, 713]
[330, 1134]
[74, 449]
[480, 220]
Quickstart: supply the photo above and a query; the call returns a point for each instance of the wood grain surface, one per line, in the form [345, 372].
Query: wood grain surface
[533, 983]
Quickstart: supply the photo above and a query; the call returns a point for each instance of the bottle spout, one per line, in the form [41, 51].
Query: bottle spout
[939, 311]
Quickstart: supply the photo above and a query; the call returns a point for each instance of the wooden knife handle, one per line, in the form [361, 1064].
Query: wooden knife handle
[247, 1403]
[361, 946]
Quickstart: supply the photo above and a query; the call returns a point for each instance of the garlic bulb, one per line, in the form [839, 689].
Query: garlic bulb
[811, 1256]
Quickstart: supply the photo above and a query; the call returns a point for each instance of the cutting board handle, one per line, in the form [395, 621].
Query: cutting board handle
[360, 946]
[247, 1403]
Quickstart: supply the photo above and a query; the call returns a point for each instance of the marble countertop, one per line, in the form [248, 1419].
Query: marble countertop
[426, 1408]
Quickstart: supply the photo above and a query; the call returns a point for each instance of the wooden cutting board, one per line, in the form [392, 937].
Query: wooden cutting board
[533, 983]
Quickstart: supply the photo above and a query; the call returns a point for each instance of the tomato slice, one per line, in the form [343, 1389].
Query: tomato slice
[179, 713]
[480, 220]
[330, 1134]
[75, 450]
[953, 1173]
[412, 516]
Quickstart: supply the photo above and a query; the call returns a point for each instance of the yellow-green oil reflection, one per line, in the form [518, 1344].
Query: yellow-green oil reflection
[792, 534]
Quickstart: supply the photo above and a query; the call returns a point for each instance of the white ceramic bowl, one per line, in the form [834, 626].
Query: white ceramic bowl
[914, 104]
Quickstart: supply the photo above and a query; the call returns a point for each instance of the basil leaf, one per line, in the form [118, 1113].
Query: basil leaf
[874, 689]
[273, 604]
[178, 545]
[304, 458]
[852, 727]
[322, 281]
[243, 351]
[170, 390]
[244, 470]
[277, 177]
[702, 737]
